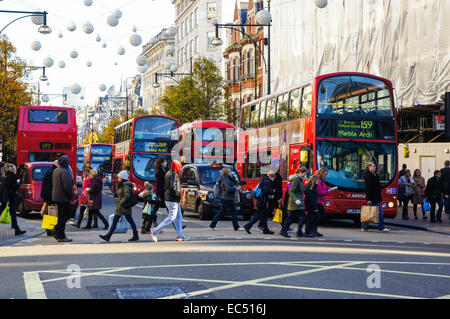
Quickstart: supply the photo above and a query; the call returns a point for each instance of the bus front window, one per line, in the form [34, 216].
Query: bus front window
[144, 166]
[347, 161]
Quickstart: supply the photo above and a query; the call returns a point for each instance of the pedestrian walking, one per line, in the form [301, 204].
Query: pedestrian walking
[418, 193]
[373, 195]
[286, 202]
[296, 203]
[84, 197]
[312, 207]
[149, 213]
[406, 191]
[47, 189]
[123, 193]
[62, 195]
[322, 191]
[161, 170]
[445, 174]
[262, 203]
[277, 201]
[95, 199]
[11, 190]
[400, 174]
[172, 196]
[228, 189]
[434, 194]
[2, 187]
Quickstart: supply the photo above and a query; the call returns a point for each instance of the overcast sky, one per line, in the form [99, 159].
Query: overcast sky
[149, 17]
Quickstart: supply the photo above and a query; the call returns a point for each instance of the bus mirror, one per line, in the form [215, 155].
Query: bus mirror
[405, 152]
[304, 156]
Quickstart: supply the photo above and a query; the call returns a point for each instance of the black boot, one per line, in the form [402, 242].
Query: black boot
[18, 232]
[106, 237]
[135, 236]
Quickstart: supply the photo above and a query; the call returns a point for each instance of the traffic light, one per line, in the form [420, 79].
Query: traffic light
[447, 114]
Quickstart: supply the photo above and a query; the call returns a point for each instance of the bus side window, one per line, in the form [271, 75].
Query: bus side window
[282, 108]
[294, 104]
[262, 113]
[306, 101]
[245, 119]
[254, 116]
[270, 111]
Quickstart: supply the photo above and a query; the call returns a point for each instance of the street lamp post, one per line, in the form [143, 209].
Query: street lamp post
[170, 75]
[44, 28]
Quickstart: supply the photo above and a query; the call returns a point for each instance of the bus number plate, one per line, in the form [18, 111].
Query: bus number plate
[353, 211]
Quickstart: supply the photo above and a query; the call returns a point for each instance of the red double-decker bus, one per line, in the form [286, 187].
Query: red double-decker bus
[340, 121]
[98, 156]
[208, 142]
[44, 132]
[139, 142]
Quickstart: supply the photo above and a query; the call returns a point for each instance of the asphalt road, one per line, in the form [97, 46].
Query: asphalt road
[224, 264]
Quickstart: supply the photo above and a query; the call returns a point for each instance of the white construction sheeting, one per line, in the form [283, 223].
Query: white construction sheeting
[406, 41]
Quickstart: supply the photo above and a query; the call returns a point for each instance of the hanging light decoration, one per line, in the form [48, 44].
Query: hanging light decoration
[142, 69]
[89, 64]
[171, 31]
[134, 29]
[112, 21]
[71, 26]
[102, 87]
[121, 51]
[75, 88]
[104, 45]
[135, 39]
[45, 98]
[87, 3]
[321, 3]
[48, 62]
[74, 54]
[169, 50]
[117, 13]
[98, 38]
[38, 20]
[141, 60]
[173, 68]
[263, 17]
[61, 64]
[60, 35]
[36, 45]
[88, 28]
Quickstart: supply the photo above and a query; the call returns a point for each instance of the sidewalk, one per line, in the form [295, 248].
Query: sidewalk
[420, 224]
[33, 228]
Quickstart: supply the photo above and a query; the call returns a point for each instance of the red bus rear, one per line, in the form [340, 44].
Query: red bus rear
[208, 142]
[98, 156]
[139, 142]
[44, 132]
[338, 121]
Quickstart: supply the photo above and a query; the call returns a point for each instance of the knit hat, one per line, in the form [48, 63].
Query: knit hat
[149, 187]
[123, 175]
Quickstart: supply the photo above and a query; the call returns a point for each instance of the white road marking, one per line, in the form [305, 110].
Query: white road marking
[33, 285]
[444, 297]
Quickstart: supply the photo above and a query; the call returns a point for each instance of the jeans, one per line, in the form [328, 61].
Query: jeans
[64, 213]
[174, 216]
[227, 205]
[96, 212]
[405, 202]
[292, 217]
[415, 210]
[381, 221]
[116, 220]
[260, 215]
[433, 203]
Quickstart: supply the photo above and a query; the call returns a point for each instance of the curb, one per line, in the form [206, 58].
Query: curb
[26, 236]
[417, 228]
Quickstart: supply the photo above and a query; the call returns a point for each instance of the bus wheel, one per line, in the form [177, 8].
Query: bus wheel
[202, 212]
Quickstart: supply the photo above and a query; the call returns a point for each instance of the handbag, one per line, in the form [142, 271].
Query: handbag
[49, 222]
[52, 210]
[370, 214]
[44, 209]
[426, 206]
[278, 217]
[147, 209]
[5, 218]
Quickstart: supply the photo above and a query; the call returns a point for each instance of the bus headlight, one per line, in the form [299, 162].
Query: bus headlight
[249, 195]
[391, 204]
[327, 203]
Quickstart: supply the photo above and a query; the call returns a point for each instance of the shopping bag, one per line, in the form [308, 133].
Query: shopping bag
[122, 225]
[147, 209]
[84, 197]
[49, 222]
[426, 206]
[370, 214]
[278, 217]
[44, 209]
[52, 210]
[6, 216]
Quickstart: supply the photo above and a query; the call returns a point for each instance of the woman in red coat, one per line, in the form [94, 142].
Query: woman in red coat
[95, 199]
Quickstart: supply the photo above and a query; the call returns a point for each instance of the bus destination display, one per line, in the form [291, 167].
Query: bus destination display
[359, 129]
[46, 146]
[152, 147]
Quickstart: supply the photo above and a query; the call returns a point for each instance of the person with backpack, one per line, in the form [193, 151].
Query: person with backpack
[172, 196]
[124, 203]
[95, 199]
[296, 203]
[226, 192]
[149, 213]
[264, 192]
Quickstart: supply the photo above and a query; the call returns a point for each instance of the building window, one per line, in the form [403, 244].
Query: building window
[211, 10]
[196, 44]
[252, 62]
[236, 70]
[210, 38]
[196, 16]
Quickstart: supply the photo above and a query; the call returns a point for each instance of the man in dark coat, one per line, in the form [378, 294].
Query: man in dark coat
[62, 195]
[445, 175]
[10, 196]
[47, 188]
[434, 193]
[373, 194]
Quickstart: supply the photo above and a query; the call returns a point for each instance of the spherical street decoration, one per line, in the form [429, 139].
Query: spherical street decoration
[61, 64]
[102, 87]
[37, 20]
[169, 50]
[112, 21]
[48, 62]
[60, 35]
[88, 28]
[104, 45]
[153, 40]
[120, 51]
[115, 63]
[82, 97]
[75, 88]
[263, 17]
[321, 3]
[45, 98]
[135, 39]
[134, 29]
[171, 31]
[36, 45]
[173, 68]
[142, 69]
[48, 83]
[197, 57]
[71, 26]
[74, 54]
[167, 65]
[141, 60]
[87, 3]
[117, 13]
[89, 64]
[98, 38]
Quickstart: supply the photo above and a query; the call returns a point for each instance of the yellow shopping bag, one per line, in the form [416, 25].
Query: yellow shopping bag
[49, 222]
[278, 217]
[5, 218]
